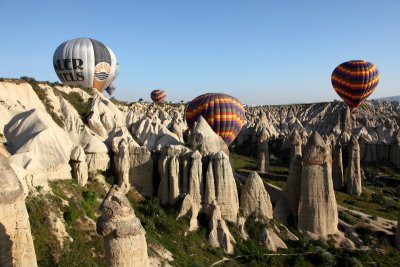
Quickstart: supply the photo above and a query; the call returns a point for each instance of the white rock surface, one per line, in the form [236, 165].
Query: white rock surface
[205, 140]
[40, 148]
[141, 170]
[353, 179]
[263, 152]
[16, 98]
[124, 237]
[16, 244]
[254, 199]
[226, 193]
[317, 213]
[79, 165]
[270, 240]
[220, 235]
[337, 168]
[120, 147]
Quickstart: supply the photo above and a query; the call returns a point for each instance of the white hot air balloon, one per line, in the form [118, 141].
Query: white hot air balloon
[85, 62]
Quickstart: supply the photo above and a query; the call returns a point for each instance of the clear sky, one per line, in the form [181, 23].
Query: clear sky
[262, 52]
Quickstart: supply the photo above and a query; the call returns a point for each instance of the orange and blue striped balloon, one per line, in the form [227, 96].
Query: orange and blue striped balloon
[354, 81]
[158, 96]
[225, 114]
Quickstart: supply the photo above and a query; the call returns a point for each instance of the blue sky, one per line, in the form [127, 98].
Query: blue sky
[262, 52]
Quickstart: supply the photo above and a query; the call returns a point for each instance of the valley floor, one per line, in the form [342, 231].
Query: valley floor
[371, 215]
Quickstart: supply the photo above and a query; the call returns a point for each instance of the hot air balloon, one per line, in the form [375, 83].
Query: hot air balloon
[354, 81]
[85, 62]
[110, 89]
[158, 96]
[225, 114]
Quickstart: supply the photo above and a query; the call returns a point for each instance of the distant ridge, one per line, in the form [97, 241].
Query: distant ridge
[389, 98]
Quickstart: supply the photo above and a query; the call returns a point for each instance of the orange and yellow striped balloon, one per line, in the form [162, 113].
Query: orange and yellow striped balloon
[354, 81]
[158, 96]
[225, 114]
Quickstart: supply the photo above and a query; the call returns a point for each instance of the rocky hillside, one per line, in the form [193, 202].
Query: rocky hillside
[81, 162]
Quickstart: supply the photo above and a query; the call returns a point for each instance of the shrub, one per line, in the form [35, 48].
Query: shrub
[89, 196]
[76, 100]
[350, 201]
[346, 218]
[110, 179]
[378, 197]
[365, 235]
[70, 215]
[323, 258]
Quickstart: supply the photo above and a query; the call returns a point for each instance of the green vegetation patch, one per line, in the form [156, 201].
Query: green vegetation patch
[371, 203]
[161, 225]
[41, 93]
[76, 100]
[87, 246]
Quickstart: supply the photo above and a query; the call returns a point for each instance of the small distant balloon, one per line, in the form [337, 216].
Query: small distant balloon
[354, 81]
[224, 113]
[158, 96]
[85, 62]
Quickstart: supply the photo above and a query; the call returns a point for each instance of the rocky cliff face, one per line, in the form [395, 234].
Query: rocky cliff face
[16, 244]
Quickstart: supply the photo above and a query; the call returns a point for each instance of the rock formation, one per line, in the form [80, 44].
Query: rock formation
[221, 186]
[163, 188]
[353, 181]
[150, 132]
[270, 240]
[347, 120]
[337, 168]
[79, 165]
[395, 151]
[397, 240]
[317, 213]
[141, 170]
[205, 140]
[295, 144]
[120, 148]
[219, 233]
[292, 191]
[124, 237]
[16, 244]
[195, 178]
[39, 148]
[263, 152]
[173, 180]
[191, 209]
[254, 199]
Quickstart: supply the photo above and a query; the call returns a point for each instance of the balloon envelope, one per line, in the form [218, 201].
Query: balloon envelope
[85, 62]
[224, 113]
[354, 81]
[110, 89]
[158, 96]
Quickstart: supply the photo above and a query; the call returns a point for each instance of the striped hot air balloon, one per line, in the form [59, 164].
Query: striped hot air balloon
[158, 96]
[85, 62]
[225, 114]
[354, 81]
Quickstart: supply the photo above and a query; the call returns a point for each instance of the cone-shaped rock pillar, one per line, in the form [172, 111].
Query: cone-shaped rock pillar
[353, 183]
[317, 213]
